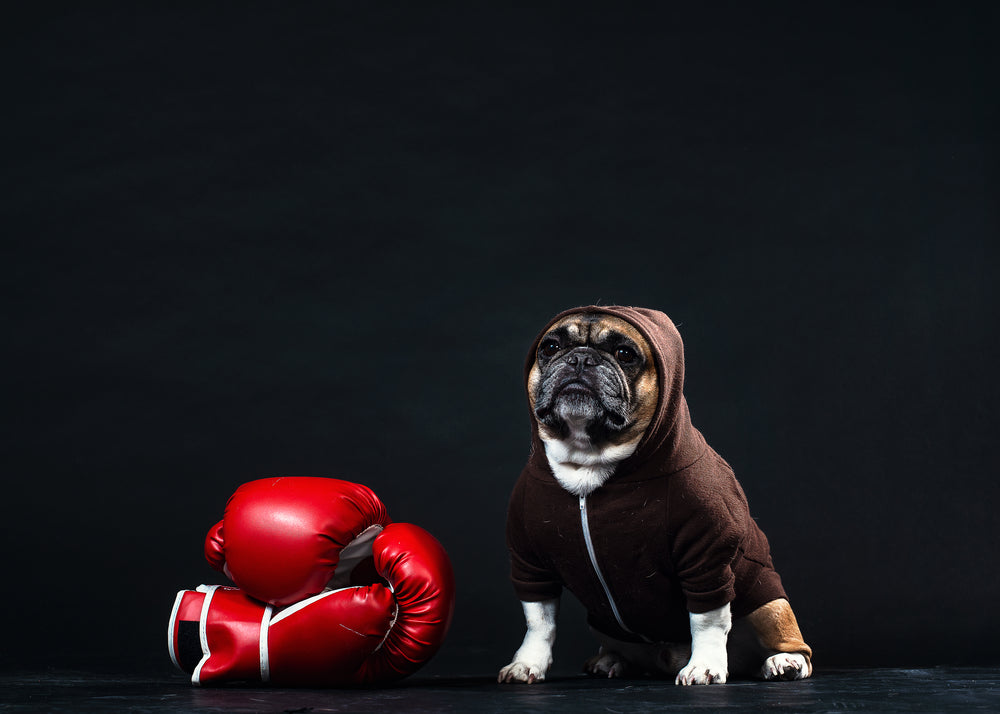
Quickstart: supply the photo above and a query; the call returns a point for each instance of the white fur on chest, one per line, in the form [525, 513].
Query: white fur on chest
[578, 466]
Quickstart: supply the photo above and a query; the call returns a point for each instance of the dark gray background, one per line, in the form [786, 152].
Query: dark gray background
[317, 239]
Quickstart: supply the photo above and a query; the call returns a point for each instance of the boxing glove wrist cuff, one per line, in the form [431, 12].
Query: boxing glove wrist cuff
[191, 646]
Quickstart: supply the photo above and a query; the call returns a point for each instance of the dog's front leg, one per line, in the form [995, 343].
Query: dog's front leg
[534, 657]
[709, 662]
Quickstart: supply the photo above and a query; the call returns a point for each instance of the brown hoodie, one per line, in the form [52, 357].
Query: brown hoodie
[669, 533]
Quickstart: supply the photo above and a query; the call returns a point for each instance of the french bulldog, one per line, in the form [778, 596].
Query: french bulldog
[623, 503]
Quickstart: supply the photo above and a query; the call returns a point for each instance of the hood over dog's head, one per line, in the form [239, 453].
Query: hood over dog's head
[660, 423]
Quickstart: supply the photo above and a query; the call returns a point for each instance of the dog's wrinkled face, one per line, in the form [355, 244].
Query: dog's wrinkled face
[593, 374]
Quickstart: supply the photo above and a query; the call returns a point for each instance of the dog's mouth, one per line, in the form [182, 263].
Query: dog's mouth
[573, 391]
[575, 387]
[578, 400]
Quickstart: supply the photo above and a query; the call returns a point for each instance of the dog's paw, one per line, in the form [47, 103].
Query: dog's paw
[786, 666]
[521, 672]
[606, 664]
[702, 673]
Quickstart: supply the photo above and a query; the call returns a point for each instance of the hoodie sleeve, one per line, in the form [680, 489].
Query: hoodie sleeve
[707, 517]
[531, 577]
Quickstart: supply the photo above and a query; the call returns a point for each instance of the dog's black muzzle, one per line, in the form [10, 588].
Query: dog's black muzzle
[583, 372]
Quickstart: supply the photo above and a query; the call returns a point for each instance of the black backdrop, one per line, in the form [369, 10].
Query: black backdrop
[317, 239]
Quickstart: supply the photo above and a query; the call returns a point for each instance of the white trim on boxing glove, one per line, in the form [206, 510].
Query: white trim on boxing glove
[302, 604]
[209, 591]
[170, 629]
[265, 661]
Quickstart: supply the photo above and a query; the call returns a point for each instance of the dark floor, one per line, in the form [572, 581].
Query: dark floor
[884, 690]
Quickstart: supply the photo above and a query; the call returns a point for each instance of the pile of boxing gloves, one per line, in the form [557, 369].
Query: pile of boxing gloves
[328, 591]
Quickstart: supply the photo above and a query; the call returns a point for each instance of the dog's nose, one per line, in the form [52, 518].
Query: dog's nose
[581, 358]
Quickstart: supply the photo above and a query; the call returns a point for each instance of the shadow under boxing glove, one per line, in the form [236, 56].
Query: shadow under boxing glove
[365, 634]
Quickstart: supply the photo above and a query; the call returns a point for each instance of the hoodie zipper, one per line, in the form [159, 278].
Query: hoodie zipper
[585, 523]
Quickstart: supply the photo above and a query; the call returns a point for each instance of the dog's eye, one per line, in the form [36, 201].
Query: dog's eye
[548, 348]
[626, 355]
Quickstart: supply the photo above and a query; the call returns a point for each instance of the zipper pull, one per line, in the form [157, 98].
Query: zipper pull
[583, 503]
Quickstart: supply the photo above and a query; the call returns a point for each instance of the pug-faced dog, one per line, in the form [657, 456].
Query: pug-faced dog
[623, 503]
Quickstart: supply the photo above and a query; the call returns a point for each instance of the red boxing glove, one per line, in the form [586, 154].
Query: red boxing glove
[284, 539]
[419, 573]
[357, 635]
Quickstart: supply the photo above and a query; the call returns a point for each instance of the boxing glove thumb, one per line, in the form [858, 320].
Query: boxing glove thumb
[419, 573]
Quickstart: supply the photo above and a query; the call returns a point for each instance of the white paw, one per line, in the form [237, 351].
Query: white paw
[785, 665]
[606, 664]
[702, 673]
[521, 672]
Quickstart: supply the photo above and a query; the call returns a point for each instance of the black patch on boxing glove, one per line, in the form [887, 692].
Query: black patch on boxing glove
[188, 645]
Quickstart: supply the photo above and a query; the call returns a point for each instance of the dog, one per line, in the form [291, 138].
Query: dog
[623, 503]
